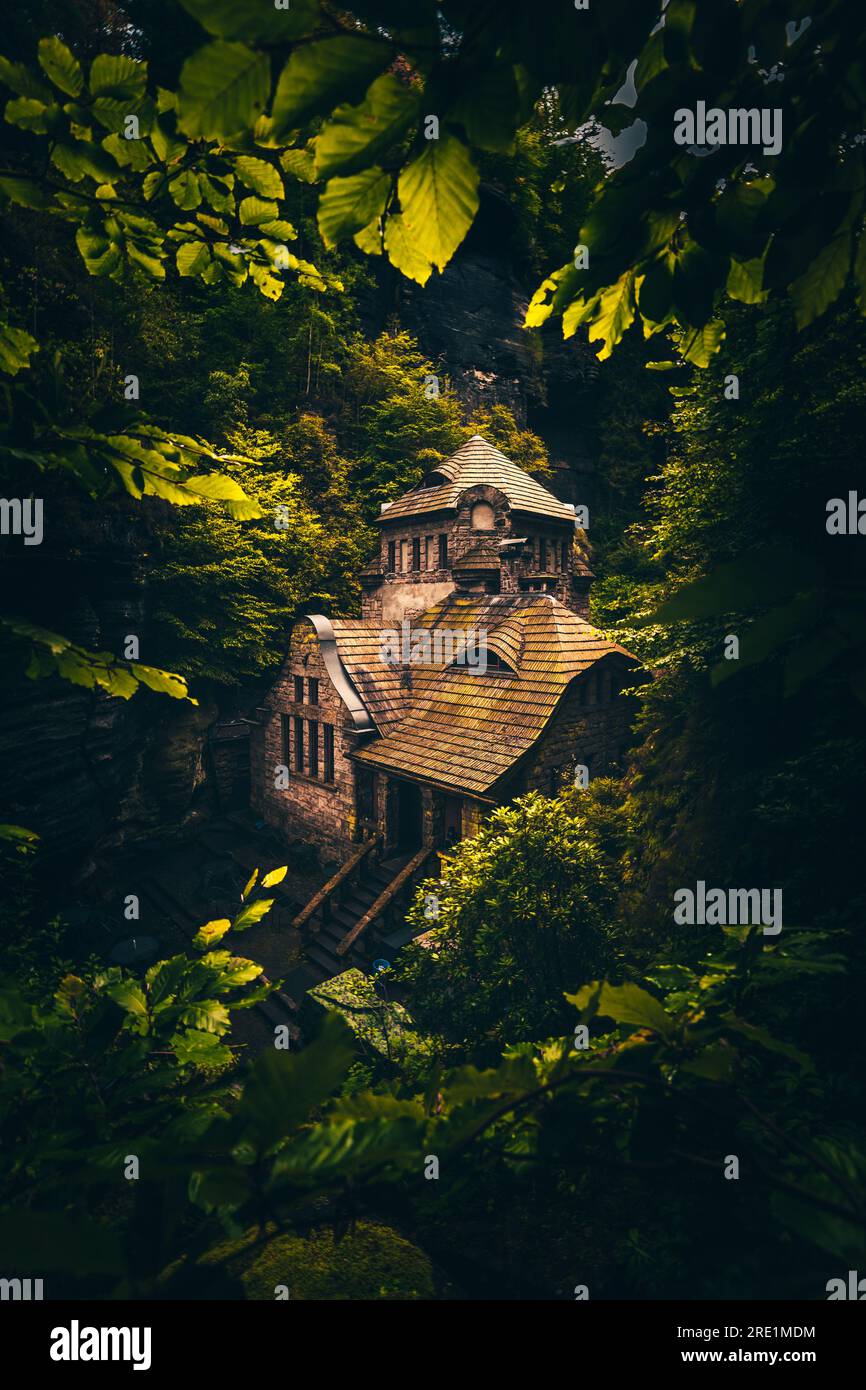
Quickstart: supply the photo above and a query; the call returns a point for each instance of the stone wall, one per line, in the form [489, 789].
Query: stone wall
[592, 726]
[407, 592]
[307, 808]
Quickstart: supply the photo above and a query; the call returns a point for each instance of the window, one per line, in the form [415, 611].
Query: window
[284, 740]
[542, 554]
[443, 552]
[313, 690]
[313, 747]
[328, 751]
[482, 517]
[299, 743]
[299, 690]
[428, 546]
[416, 553]
[402, 557]
[392, 556]
[564, 551]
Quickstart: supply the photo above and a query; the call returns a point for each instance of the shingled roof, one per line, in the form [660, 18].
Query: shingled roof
[459, 730]
[477, 462]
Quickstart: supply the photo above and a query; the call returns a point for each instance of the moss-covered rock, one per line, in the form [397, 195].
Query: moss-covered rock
[372, 1263]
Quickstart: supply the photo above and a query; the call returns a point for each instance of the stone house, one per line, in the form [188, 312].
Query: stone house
[472, 675]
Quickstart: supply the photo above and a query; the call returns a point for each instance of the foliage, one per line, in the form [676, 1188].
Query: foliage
[522, 913]
[201, 173]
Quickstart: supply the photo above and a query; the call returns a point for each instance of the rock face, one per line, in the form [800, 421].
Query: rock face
[84, 771]
[470, 319]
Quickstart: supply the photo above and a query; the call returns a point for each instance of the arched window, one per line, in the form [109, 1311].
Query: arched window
[482, 518]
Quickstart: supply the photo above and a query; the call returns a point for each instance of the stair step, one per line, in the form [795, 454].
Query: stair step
[345, 918]
[364, 893]
[327, 960]
[354, 908]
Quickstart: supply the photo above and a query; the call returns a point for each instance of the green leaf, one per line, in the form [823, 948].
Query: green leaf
[252, 913]
[84, 157]
[26, 193]
[355, 136]
[823, 282]
[58, 62]
[114, 75]
[162, 979]
[254, 19]
[300, 164]
[207, 1015]
[626, 1004]
[212, 932]
[745, 280]
[275, 876]
[489, 109]
[347, 205]
[401, 251]
[254, 211]
[185, 191]
[30, 114]
[438, 195]
[22, 81]
[193, 257]
[131, 999]
[251, 883]
[614, 313]
[223, 88]
[319, 73]
[260, 176]
[283, 1088]
[699, 344]
[215, 487]
[163, 682]
[16, 348]
[199, 1049]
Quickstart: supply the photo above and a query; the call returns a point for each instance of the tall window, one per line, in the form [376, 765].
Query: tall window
[313, 691]
[542, 555]
[392, 556]
[443, 552]
[313, 747]
[428, 546]
[299, 743]
[328, 751]
[416, 553]
[402, 557]
[299, 690]
[564, 551]
[284, 740]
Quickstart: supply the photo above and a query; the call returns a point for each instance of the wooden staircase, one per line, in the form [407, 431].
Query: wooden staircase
[323, 948]
[358, 915]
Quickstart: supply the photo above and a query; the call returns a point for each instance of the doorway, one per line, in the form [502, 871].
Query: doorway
[452, 821]
[409, 819]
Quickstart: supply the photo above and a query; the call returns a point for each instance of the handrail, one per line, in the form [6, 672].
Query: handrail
[384, 898]
[334, 882]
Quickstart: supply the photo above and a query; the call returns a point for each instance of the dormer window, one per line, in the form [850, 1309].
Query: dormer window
[482, 517]
[481, 661]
